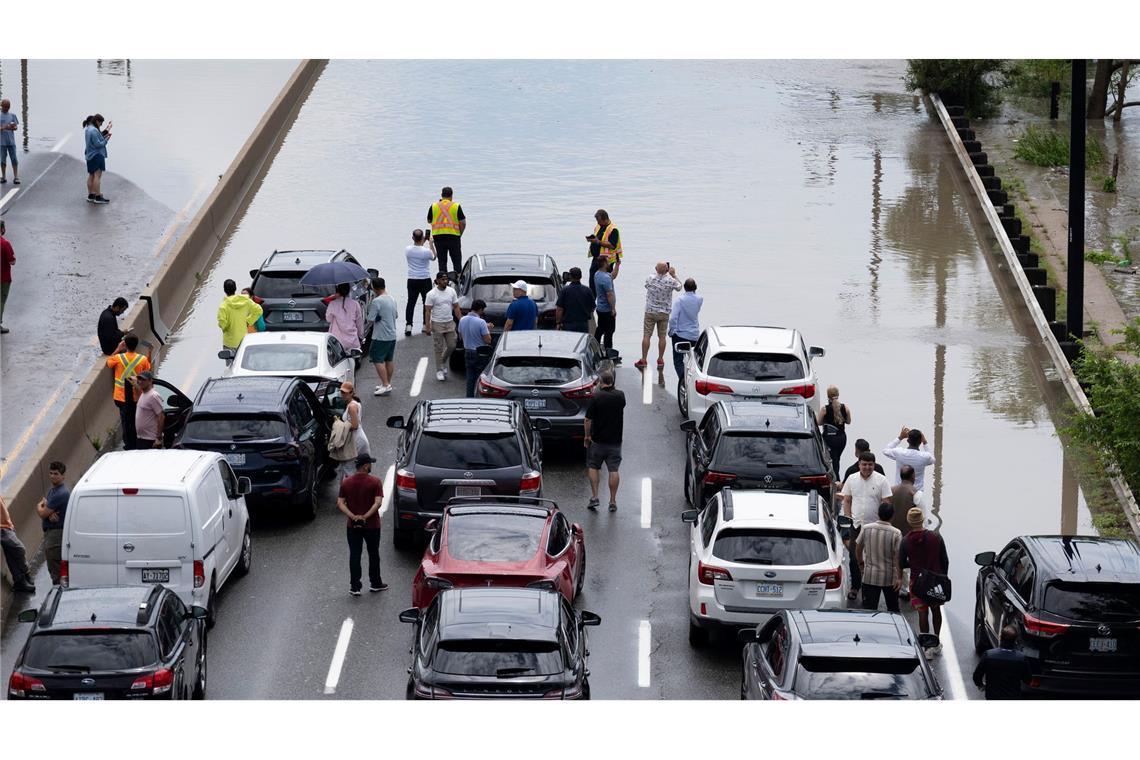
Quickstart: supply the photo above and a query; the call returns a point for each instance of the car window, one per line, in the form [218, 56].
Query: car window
[288, 285]
[336, 352]
[708, 521]
[494, 537]
[1023, 575]
[776, 650]
[710, 427]
[214, 427]
[498, 289]
[1094, 602]
[537, 370]
[570, 630]
[559, 535]
[699, 350]
[501, 657]
[770, 547]
[747, 365]
[97, 650]
[428, 627]
[302, 411]
[229, 480]
[166, 394]
[169, 627]
[451, 451]
[861, 678]
[152, 515]
[759, 454]
[279, 357]
[1007, 561]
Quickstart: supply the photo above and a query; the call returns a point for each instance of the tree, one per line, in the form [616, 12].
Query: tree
[971, 83]
[1110, 77]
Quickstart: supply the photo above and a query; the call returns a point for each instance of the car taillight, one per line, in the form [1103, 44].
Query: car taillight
[159, 681]
[718, 479]
[131, 491]
[585, 391]
[290, 452]
[530, 483]
[1034, 682]
[816, 480]
[572, 692]
[704, 387]
[807, 390]
[1039, 627]
[64, 575]
[706, 574]
[432, 692]
[405, 481]
[19, 685]
[494, 391]
[199, 574]
[438, 583]
[833, 578]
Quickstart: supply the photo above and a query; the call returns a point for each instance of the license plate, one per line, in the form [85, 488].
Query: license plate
[292, 316]
[88, 695]
[236, 460]
[468, 491]
[534, 403]
[156, 575]
[1102, 645]
[769, 589]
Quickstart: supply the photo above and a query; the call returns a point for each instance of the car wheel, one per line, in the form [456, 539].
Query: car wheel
[689, 483]
[245, 561]
[586, 689]
[212, 605]
[698, 637]
[683, 398]
[308, 503]
[402, 538]
[200, 684]
[410, 690]
[981, 638]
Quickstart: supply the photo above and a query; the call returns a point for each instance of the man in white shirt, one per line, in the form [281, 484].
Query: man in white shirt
[441, 310]
[862, 495]
[419, 259]
[915, 454]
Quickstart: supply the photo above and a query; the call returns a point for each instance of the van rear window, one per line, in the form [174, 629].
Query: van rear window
[154, 515]
[211, 427]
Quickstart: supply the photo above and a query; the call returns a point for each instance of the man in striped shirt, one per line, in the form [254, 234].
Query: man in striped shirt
[877, 552]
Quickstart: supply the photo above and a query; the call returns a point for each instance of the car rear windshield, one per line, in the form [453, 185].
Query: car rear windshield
[499, 290]
[537, 370]
[451, 451]
[89, 651]
[770, 547]
[747, 365]
[498, 658]
[494, 537]
[1093, 601]
[763, 454]
[860, 678]
[234, 428]
[288, 285]
[279, 358]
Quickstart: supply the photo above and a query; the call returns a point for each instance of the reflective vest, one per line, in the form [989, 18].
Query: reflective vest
[126, 368]
[600, 234]
[444, 220]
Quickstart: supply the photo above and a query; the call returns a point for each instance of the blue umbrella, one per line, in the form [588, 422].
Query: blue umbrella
[334, 273]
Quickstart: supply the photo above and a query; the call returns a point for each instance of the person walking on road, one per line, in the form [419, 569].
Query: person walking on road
[52, 509]
[877, 552]
[235, 314]
[15, 554]
[924, 552]
[110, 336]
[1003, 669]
[345, 318]
[359, 499]
[475, 331]
[353, 415]
[903, 499]
[862, 495]
[441, 311]
[575, 305]
[914, 454]
[8, 126]
[447, 222]
[833, 420]
[605, 418]
[861, 446]
[419, 258]
[383, 313]
[7, 259]
[95, 140]
[659, 288]
[604, 241]
[522, 314]
[606, 304]
[684, 323]
[149, 419]
[127, 363]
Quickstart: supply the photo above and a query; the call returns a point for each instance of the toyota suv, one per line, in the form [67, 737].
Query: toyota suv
[289, 305]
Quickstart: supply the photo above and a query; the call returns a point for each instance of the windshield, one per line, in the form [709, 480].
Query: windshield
[288, 285]
[770, 547]
[497, 657]
[499, 290]
[244, 428]
[279, 358]
[744, 365]
[537, 370]
[759, 454]
[83, 651]
[494, 537]
[860, 678]
[468, 452]
[1093, 601]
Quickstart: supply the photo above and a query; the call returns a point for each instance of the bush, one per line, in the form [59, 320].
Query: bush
[1034, 77]
[971, 83]
[1044, 147]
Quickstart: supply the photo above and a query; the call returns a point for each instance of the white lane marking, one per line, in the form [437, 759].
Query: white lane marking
[63, 140]
[646, 386]
[389, 476]
[338, 656]
[646, 502]
[8, 196]
[953, 670]
[418, 380]
[643, 631]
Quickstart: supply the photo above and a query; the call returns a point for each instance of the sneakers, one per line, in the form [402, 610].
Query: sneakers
[441, 375]
[90, 197]
[407, 330]
[377, 391]
[641, 364]
[613, 507]
[660, 363]
[354, 591]
[16, 181]
[381, 587]
[384, 391]
[4, 330]
[99, 199]
[592, 505]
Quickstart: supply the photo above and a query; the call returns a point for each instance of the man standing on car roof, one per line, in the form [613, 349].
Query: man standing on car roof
[475, 331]
[1003, 669]
[52, 509]
[605, 417]
[575, 304]
[604, 240]
[359, 499]
[522, 314]
[447, 222]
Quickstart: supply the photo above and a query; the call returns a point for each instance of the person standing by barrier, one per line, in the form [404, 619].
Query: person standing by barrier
[877, 552]
[833, 419]
[235, 314]
[448, 223]
[149, 417]
[7, 259]
[110, 336]
[441, 311]
[605, 240]
[659, 288]
[345, 318]
[684, 323]
[475, 331]
[1003, 669]
[95, 140]
[383, 313]
[52, 509]
[359, 498]
[14, 553]
[127, 363]
[924, 552]
[606, 304]
[419, 258]
[575, 304]
[8, 126]
[605, 418]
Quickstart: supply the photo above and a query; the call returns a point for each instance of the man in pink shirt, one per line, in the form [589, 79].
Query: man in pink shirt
[345, 317]
[149, 419]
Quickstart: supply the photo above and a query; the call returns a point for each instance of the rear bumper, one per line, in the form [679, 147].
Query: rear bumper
[1106, 683]
[570, 427]
[287, 486]
[718, 615]
[409, 514]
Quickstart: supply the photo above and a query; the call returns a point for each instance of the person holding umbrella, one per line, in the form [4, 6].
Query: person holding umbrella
[344, 314]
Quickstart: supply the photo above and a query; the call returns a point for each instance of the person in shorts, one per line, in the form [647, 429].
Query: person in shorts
[924, 550]
[8, 126]
[382, 312]
[659, 289]
[95, 139]
[603, 429]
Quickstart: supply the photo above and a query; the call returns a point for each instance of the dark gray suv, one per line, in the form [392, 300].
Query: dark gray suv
[289, 305]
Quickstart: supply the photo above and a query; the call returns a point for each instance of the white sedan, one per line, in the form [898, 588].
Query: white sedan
[311, 356]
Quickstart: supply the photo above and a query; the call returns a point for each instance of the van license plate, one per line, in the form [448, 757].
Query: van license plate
[1102, 645]
[292, 316]
[534, 403]
[468, 491]
[769, 589]
[88, 696]
[236, 460]
[156, 575]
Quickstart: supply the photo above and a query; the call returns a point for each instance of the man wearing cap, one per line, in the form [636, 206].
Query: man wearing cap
[441, 312]
[924, 551]
[359, 499]
[149, 418]
[522, 314]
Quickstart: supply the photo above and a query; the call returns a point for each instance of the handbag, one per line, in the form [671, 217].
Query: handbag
[931, 587]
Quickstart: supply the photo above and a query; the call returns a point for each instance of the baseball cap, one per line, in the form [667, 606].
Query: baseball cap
[146, 374]
[362, 459]
[519, 285]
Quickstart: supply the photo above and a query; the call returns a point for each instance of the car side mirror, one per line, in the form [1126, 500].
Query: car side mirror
[197, 613]
[591, 618]
[683, 346]
[245, 486]
[373, 272]
[410, 615]
[540, 424]
[355, 353]
[28, 616]
[816, 351]
[689, 426]
[252, 273]
[747, 635]
[179, 402]
[228, 354]
[431, 526]
[396, 421]
[484, 351]
[984, 559]
[690, 516]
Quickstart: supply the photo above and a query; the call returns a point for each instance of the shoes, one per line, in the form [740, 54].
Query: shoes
[936, 650]
[592, 505]
[16, 181]
[407, 330]
[354, 591]
[3, 180]
[613, 507]
[640, 364]
[100, 200]
[385, 391]
[441, 376]
[660, 363]
[381, 587]
[4, 330]
[90, 197]
[377, 391]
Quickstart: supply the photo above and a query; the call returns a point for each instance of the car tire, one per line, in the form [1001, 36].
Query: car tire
[402, 538]
[683, 398]
[200, 683]
[212, 605]
[410, 690]
[981, 638]
[245, 559]
[586, 689]
[698, 637]
[689, 483]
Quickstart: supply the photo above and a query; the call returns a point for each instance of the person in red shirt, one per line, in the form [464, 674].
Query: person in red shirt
[7, 259]
[359, 499]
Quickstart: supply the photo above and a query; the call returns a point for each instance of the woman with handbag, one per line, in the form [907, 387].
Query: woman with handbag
[833, 420]
[924, 552]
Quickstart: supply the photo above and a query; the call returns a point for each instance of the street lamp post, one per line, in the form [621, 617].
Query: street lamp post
[1074, 317]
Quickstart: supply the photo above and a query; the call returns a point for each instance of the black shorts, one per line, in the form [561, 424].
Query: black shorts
[610, 453]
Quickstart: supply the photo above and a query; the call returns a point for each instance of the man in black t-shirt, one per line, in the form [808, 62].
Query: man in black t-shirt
[605, 418]
[861, 445]
[109, 332]
[575, 304]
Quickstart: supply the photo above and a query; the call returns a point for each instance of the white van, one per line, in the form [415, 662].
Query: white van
[158, 516]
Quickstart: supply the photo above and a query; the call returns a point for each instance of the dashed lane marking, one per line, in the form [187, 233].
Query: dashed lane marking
[338, 656]
[8, 196]
[646, 386]
[389, 476]
[646, 502]
[643, 636]
[418, 380]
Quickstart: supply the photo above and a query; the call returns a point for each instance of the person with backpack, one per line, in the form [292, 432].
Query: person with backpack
[924, 552]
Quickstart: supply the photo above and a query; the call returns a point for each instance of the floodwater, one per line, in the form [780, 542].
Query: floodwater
[812, 194]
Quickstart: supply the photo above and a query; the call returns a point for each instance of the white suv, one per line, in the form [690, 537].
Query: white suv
[754, 553]
[744, 361]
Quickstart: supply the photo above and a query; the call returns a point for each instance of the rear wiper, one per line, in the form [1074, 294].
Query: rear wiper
[883, 695]
[482, 465]
[548, 381]
[304, 294]
[507, 672]
[70, 668]
[244, 436]
[780, 464]
[768, 377]
[753, 560]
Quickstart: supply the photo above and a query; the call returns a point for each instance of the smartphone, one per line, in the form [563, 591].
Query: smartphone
[590, 238]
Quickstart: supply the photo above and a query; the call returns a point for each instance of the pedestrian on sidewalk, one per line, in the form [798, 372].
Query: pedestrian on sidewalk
[14, 553]
[127, 363]
[605, 418]
[914, 454]
[441, 312]
[877, 552]
[448, 223]
[359, 499]
[1003, 669]
[475, 331]
[861, 446]
[8, 125]
[110, 336]
[7, 259]
[833, 420]
[149, 419]
[659, 288]
[383, 313]
[604, 241]
[924, 552]
[353, 416]
[606, 304]
[95, 140]
[345, 318]
[863, 492]
[235, 314]
[52, 509]
[684, 323]
[575, 305]
[522, 314]
[419, 258]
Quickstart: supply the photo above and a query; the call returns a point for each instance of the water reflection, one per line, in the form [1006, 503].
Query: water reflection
[116, 67]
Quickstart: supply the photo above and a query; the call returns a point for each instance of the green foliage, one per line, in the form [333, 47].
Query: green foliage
[972, 83]
[1042, 146]
[1109, 184]
[1034, 77]
[1100, 257]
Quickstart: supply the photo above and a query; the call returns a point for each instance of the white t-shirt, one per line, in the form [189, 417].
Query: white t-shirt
[441, 302]
[918, 458]
[419, 257]
[866, 496]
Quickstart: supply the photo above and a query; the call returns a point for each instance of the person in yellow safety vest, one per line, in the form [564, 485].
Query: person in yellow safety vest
[447, 225]
[127, 363]
[605, 239]
[235, 315]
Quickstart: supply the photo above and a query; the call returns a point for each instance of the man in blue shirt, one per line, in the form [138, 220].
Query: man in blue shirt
[52, 509]
[8, 125]
[522, 314]
[684, 322]
[606, 305]
[474, 331]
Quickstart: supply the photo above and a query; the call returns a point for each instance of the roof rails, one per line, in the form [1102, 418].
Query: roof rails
[147, 606]
[726, 500]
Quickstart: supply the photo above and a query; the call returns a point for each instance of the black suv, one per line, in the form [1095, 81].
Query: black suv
[462, 447]
[836, 654]
[272, 430]
[487, 643]
[121, 642]
[773, 443]
[289, 305]
[1075, 602]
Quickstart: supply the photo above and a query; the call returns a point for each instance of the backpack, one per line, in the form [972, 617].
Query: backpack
[931, 587]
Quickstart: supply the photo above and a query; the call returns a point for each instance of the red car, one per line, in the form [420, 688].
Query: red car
[501, 541]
